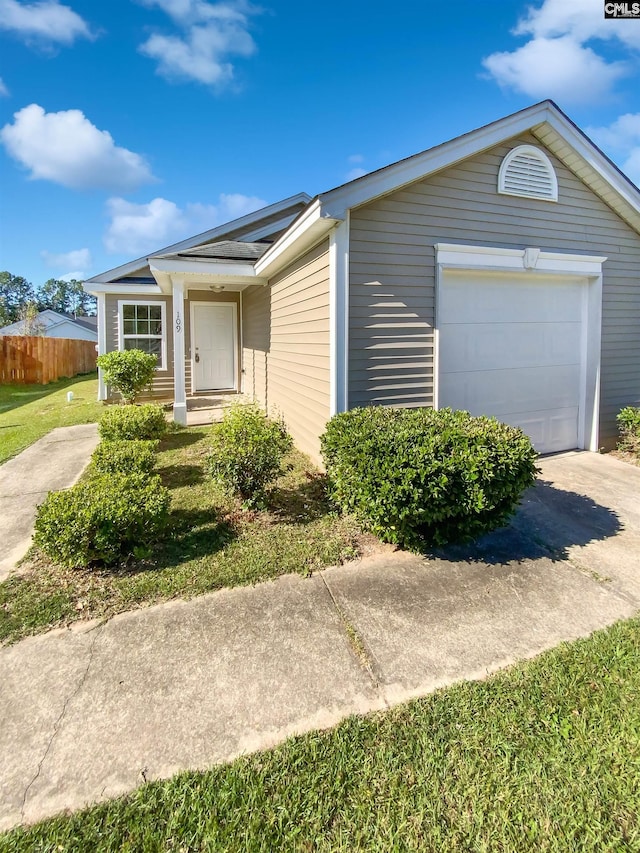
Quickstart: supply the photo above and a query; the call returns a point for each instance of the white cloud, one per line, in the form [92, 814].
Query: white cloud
[4, 92]
[79, 259]
[356, 158]
[45, 21]
[621, 140]
[356, 172]
[67, 149]
[557, 62]
[558, 68]
[138, 228]
[210, 34]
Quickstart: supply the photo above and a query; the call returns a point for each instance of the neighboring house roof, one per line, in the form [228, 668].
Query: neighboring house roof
[50, 320]
[320, 215]
[225, 250]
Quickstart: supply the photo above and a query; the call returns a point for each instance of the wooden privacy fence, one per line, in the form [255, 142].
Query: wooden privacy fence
[32, 359]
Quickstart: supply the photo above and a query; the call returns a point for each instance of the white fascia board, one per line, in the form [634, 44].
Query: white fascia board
[122, 288]
[362, 190]
[310, 227]
[203, 268]
[204, 237]
[585, 149]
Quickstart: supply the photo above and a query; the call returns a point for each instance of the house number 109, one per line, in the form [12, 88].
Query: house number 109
[178, 323]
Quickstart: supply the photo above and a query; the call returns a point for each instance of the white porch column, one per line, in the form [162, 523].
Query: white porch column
[102, 342]
[180, 396]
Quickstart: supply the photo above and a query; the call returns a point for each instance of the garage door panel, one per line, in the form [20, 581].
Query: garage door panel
[510, 346]
[474, 300]
[491, 346]
[500, 392]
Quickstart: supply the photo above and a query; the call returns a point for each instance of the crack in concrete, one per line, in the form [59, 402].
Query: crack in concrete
[356, 643]
[57, 724]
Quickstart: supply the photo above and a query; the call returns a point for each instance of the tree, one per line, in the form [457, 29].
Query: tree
[30, 324]
[15, 293]
[68, 297]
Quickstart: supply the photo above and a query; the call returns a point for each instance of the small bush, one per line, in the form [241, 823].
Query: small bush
[124, 457]
[629, 426]
[127, 423]
[247, 449]
[419, 477]
[102, 519]
[129, 372]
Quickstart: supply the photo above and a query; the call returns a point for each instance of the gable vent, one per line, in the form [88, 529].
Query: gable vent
[527, 171]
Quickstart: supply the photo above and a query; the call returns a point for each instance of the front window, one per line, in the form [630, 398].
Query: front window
[142, 326]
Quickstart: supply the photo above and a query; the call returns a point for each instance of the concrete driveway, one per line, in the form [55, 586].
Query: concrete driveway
[92, 712]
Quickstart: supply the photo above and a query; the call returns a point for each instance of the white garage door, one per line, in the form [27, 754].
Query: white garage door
[510, 346]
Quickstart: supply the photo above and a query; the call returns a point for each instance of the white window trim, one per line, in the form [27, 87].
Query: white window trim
[162, 367]
[531, 151]
[535, 262]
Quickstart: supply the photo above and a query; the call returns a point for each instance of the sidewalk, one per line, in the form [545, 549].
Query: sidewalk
[92, 712]
[51, 463]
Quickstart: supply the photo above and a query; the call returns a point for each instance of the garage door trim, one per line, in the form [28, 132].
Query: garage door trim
[536, 262]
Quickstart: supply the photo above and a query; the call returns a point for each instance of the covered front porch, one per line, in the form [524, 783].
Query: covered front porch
[207, 327]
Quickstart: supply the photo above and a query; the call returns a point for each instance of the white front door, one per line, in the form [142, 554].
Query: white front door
[511, 346]
[213, 346]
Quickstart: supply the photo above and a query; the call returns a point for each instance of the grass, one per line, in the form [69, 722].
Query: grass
[543, 757]
[27, 412]
[211, 543]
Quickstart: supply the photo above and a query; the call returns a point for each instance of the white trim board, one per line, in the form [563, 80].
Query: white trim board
[534, 262]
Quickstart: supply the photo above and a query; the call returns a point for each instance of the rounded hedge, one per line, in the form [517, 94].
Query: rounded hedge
[102, 519]
[128, 371]
[133, 422]
[247, 449]
[420, 477]
[124, 457]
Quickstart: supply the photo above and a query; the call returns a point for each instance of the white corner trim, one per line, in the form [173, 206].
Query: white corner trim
[451, 256]
[163, 315]
[339, 319]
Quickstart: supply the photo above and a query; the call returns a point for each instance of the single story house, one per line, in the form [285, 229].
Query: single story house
[55, 324]
[498, 273]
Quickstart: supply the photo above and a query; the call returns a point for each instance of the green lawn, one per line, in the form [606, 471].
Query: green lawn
[211, 543]
[542, 757]
[27, 412]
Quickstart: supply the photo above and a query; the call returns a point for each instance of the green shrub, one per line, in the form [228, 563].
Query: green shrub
[102, 519]
[128, 371]
[124, 457]
[247, 449]
[133, 422]
[629, 426]
[419, 477]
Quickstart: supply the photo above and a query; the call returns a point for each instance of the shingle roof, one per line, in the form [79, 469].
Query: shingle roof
[225, 250]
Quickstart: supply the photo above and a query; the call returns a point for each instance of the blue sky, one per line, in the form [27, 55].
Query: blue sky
[130, 124]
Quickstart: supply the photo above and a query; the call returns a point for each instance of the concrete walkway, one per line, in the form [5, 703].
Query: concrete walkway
[51, 463]
[92, 712]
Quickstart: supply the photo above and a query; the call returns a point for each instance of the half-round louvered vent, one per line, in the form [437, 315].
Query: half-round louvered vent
[527, 171]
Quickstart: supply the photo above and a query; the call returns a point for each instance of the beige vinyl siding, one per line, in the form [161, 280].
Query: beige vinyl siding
[163, 380]
[392, 274]
[286, 346]
[206, 296]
